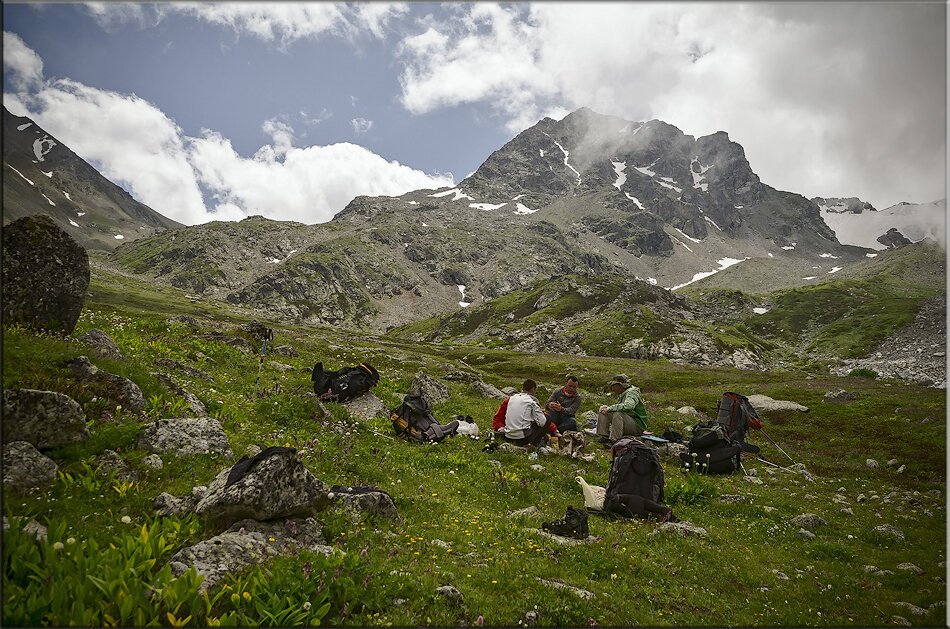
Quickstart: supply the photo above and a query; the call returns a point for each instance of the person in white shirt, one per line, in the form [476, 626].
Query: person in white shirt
[525, 422]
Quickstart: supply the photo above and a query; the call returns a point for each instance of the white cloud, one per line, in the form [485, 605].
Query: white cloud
[21, 64]
[361, 125]
[134, 144]
[280, 22]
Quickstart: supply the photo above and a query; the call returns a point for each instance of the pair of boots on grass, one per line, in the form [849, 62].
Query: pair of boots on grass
[574, 522]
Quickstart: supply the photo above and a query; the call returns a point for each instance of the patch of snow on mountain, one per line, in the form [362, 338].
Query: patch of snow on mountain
[646, 170]
[712, 222]
[412, 202]
[424, 224]
[738, 207]
[687, 236]
[73, 223]
[40, 147]
[810, 277]
[870, 255]
[488, 207]
[458, 194]
[119, 237]
[916, 221]
[699, 178]
[24, 126]
[835, 269]
[670, 186]
[463, 303]
[66, 194]
[517, 197]
[541, 151]
[680, 242]
[49, 174]
[566, 155]
[724, 263]
[274, 261]
[48, 200]
[827, 255]
[80, 214]
[523, 209]
[22, 175]
[619, 167]
[652, 280]
[635, 200]
[789, 247]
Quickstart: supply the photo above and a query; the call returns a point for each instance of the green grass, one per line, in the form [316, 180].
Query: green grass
[451, 492]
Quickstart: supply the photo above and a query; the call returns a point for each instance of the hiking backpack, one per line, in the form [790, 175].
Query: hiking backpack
[413, 420]
[635, 469]
[737, 415]
[711, 451]
[344, 384]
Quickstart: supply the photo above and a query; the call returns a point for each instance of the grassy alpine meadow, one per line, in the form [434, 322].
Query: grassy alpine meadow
[105, 561]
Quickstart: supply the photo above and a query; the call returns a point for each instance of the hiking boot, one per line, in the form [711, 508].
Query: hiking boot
[605, 442]
[573, 524]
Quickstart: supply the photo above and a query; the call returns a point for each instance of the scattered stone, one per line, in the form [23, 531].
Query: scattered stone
[808, 521]
[799, 468]
[246, 543]
[861, 498]
[765, 403]
[512, 391]
[286, 350]
[46, 419]
[365, 500]
[45, 275]
[781, 575]
[681, 528]
[887, 529]
[848, 510]
[32, 527]
[901, 469]
[691, 411]
[564, 541]
[892, 463]
[280, 366]
[367, 407]
[485, 390]
[917, 611]
[755, 480]
[731, 498]
[195, 405]
[184, 437]
[102, 343]
[111, 462]
[171, 363]
[153, 461]
[560, 585]
[434, 391]
[841, 396]
[24, 468]
[525, 511]
[118, 388]
[872, 464]
[537, 468]
[805, 534]
[440, 543]
[278, 486]
[909, 567]
[451, 594]
[900, 620]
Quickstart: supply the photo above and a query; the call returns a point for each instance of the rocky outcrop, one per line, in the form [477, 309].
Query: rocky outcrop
[184, 437]
[102, 343]
[278, 486]
[247, 543]
[46, 419]
[45, 275]
[367, 407]
[195, 405]
[24, 468]
[434, 391]
[893, 239]
[115, 387]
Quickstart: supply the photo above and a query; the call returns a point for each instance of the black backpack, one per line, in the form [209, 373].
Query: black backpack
[413, 420]
[635, 470]
[735, 413]
[344, 384]
[711, 451]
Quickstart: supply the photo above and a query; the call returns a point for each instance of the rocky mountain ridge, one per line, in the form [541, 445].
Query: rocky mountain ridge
[41, 175]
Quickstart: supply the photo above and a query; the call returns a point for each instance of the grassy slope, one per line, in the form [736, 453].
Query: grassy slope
[451, 492]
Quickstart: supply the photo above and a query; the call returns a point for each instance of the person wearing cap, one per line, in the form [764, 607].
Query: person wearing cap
[627, 417]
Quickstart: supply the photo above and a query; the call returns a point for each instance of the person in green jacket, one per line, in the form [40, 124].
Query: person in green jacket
[627, 417]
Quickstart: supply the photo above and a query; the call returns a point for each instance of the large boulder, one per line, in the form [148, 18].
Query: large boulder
[197, 435]
[44, 418]
[764, 403]
[24, 468]
[247, 543]
[485, 390]
[365, 500]
[102, 343]
[45, 275]
[277, 486]
[367, 407]
[116, 388]
[434, 391]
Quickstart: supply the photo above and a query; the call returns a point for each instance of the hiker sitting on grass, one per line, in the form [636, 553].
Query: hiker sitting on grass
[525, 423]
[563, 404]
[626, 417]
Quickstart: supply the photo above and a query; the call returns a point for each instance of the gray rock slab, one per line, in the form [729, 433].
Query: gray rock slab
[44, 418]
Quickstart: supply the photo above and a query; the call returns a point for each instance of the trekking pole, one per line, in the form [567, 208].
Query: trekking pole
[268, 335]
[772, 441]
[787, 469]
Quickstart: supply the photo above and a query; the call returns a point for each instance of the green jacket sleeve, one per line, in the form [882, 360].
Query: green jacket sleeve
[628, 402]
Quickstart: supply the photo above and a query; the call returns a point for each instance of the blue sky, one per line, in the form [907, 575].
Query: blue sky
[208, 111]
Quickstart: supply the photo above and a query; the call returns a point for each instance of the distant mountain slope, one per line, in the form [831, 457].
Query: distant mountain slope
[42, 176]
[916, 221]
[586, 196]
